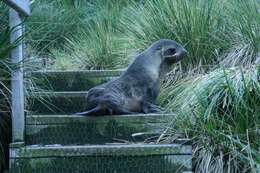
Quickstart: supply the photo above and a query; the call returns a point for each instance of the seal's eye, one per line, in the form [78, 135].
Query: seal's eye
[169, 52]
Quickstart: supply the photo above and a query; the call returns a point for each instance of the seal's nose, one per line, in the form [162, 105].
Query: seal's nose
[181, 52]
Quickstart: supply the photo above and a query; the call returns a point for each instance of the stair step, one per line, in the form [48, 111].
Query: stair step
[49, 102]
[139, 158]
[73, 129]
[70, 80]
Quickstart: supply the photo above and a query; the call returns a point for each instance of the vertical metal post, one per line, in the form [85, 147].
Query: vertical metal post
[15, 23]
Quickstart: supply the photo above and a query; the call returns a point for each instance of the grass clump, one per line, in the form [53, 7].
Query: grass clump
[76, 34]
[96, 48]
[54, 21]
[199, 25]
[5, 118]
[219, 111]
[214, 32]
[245, 36]
[98, 45]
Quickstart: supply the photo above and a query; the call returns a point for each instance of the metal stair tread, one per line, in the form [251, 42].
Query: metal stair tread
[89, 73]
[55, 137]
[128, 158]
[58, 93]
[102, 150]
[54, 119]
[70, 80]
[80, 130]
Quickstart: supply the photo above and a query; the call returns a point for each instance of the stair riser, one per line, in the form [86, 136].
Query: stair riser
[99, 131]
[70, 81]
[100, 159]
[110, 164]
[88, 133]
[57, 143]
[56, 104]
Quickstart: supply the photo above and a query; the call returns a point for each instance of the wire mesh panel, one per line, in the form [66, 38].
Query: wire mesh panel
[55, 92]
[71, 80]
[69, 130]
[99, 159]
[56, 141]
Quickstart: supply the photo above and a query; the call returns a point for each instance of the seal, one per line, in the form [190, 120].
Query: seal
[136, 90]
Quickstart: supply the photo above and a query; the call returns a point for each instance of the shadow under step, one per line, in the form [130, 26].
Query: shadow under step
[135, 158]
[78, 130]
[70, 80]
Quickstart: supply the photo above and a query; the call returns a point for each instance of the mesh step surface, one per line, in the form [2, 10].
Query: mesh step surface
[73, 129]
[70, 80]
[56, 102]
[58, 142]
[138, 158]
[61, 92]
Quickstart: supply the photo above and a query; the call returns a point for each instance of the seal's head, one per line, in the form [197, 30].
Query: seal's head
[169, 50]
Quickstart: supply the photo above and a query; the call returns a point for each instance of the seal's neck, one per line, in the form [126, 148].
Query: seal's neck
[147, 62]
[164, 69]
[153, 63]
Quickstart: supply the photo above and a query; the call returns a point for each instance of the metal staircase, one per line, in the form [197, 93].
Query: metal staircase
[50, 139]
[56, 141]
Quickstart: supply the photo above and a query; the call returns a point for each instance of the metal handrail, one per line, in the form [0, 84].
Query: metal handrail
[19, 9]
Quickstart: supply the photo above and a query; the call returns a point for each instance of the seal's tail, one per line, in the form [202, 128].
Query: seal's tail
[95, 111]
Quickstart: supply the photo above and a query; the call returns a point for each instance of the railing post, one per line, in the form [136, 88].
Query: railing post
[15, 22]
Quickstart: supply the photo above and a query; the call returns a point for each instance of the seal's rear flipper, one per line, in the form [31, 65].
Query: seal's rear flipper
[103, 110]
[95, 111]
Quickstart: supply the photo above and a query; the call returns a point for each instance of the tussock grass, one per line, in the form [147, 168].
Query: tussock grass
[54, 21]
[214, 32]
[96, 48]
[199, 25]
[5, 119]
[219, 111]
[58, 28]
[245, 38]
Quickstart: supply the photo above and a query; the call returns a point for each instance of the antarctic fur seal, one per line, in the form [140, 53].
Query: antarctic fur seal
[136, 90]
